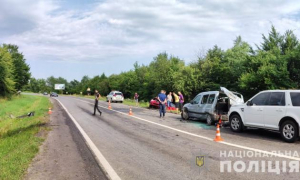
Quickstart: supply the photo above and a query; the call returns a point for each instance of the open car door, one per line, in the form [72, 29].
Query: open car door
[234, 98]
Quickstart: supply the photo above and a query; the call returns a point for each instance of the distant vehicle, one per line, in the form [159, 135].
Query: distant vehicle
[115, 96]
[53, 94]
[273, 109]
[209, 105]
[45, 93]
[154, 103]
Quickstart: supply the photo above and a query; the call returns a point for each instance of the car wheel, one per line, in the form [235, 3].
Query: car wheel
[185, 114]
[107, 100]
[209, 120]
[236, 124]
[289, 131]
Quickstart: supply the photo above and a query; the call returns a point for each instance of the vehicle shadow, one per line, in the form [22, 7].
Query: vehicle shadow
[251, 133]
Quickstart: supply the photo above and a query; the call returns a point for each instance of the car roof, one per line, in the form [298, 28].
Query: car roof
[209, 92]
[280, 90]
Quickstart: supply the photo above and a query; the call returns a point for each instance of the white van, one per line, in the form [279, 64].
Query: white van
[209, 105]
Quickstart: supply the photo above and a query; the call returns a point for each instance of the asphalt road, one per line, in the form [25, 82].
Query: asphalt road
[144, 146]
[64, 154]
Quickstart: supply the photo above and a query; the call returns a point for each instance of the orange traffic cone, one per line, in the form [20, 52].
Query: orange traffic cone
[220, 120]
[49, 112]
[130, 112]
[218, 134]
[109, 106]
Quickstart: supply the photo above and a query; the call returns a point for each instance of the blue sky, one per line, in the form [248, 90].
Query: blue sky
[73, 38]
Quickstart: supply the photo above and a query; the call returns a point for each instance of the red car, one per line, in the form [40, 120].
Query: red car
[154, 103]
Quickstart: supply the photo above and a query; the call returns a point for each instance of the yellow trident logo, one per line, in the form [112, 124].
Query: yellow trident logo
[199, 161]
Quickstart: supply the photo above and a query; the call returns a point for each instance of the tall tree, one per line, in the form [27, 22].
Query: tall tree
[21, 71]
[7, 84]
[274, 40]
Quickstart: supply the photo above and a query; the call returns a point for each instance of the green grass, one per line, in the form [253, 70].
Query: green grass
[129, 102]
[19, 142]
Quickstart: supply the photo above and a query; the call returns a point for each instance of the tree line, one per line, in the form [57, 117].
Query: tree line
[272, 64]
[14, 71]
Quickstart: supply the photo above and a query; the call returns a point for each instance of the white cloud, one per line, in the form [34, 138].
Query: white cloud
[116, 29]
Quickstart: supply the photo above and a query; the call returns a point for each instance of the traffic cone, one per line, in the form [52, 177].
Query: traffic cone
[220, 120]
[218, 134]
[109, 106]
[130, 112]
[49, 111]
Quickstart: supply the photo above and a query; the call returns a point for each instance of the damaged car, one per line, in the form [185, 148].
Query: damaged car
[209, 106]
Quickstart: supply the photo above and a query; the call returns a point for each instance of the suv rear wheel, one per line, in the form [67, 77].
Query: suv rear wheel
[289, 131]
[236, 124]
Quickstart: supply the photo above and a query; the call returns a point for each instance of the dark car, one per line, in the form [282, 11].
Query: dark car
[53, 94]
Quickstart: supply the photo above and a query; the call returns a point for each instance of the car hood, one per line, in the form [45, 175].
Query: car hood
[187, 105]
[235, 100]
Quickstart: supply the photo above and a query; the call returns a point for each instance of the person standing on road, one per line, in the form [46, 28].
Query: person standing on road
[97, 95]
[162, 98]
[136, 99]
[169, 99]
[181, 101]
[176, 100]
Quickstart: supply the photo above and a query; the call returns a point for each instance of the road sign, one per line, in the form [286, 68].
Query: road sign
[59, 87]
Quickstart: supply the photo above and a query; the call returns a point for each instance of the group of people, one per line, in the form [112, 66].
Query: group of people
[172, 97]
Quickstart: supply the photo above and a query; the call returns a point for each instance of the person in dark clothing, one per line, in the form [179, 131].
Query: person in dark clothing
[97, 95]
[181, 101]
[136, 99]
[162, 103]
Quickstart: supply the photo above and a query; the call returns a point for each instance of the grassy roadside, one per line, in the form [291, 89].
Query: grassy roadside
[19, 142]
[129, 102]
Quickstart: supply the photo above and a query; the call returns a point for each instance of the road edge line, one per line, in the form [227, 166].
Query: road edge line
[204, 137]
[109, 171]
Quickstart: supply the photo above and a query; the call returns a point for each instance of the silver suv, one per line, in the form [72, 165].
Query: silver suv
[274, 110]
[115, 96]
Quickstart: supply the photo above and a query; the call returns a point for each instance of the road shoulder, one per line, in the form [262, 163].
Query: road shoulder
[64, 154]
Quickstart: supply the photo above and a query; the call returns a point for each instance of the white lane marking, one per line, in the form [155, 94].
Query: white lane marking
[99, 157]
[207, 138]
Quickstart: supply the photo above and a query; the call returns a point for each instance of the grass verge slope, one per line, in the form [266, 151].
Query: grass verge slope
[19, 140]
